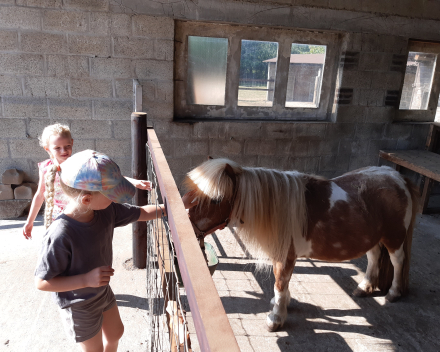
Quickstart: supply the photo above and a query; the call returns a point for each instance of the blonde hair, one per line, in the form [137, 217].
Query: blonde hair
[56, 129]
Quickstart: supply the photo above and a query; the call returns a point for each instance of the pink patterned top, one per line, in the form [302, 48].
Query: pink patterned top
[59, 200]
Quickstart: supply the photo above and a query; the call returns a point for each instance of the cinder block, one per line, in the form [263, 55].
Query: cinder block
[10, 85]
[382, 144]
[83, 144]
[68, 66]
[334, 163]
[6, 192]
[369, 131]
[292, 148]
[90, 45]
[398, 131]
[153, 27]
[32, 185]
[356, 147]
[359, 161]
[153, 69]
[351, 114]
[420, 132]
[20, 17]
[243, 130]
[26, 147]
[92, 5]
[210, 130]
[188, 148]
[167, 146]
[340, 131]
[124, 164]
[23, 192]
[113, 110]
[371, 97]
[100, 23]
[31, 64]
[136, 48]
[46, 87]
[11, 209]
[4, 150]
[91, 129]
[179, 165]
[40, 3]
[121, 24]
[70, 109]
[24, 163]
[12, 177]
[310, 131]
[323, 147]
[383, 114]
[277, 130]
[164, 49]
[260, 147]
[111, 67]
[117, 148]
[36, 126]
[44, 43]
[25, 107]
[12, 128]
[8, 40]
[7, 2]
[124, 88]
[122, 129]
[356, 79]
[148, 91]
[374, 61]
[159, 110]
[226, 147]
[91, 88]
[65, 21]
[165, 91]
[196, 160]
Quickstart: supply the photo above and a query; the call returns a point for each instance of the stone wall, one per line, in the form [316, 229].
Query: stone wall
[73, 61]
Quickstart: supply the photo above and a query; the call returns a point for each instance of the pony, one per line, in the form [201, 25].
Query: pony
[285, 215]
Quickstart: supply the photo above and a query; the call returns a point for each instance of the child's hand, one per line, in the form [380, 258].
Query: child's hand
[27, 230]
[189, 199]
[142, 184]
[99, 276]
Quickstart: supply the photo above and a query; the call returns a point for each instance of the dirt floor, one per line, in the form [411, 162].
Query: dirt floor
[323, 315]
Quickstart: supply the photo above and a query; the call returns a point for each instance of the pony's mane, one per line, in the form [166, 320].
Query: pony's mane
[269, 208]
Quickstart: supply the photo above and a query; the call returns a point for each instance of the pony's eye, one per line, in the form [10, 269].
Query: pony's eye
[216, 201]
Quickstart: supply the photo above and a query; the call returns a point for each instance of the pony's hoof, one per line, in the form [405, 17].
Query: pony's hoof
[273, 322]
[358, 292]
[392, 296]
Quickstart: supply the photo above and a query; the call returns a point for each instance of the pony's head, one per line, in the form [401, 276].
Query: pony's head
[215, 183]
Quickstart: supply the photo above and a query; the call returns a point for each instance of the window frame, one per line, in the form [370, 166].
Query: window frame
[418, 115]
[235, 33]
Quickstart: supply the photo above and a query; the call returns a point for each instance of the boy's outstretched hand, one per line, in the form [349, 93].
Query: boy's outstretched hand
[142, 184]
[189, 199]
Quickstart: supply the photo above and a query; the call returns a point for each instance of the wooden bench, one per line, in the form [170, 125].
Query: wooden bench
[425, 162]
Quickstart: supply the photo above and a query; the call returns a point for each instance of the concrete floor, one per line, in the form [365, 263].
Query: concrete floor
[323, 316]
[29, 320]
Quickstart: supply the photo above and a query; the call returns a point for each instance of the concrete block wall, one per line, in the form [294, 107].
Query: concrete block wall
[73, 61]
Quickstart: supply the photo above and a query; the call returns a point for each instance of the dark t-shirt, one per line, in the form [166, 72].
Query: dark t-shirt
[72, 248]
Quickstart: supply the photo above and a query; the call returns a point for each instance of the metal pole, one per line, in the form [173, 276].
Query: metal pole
[139, 172]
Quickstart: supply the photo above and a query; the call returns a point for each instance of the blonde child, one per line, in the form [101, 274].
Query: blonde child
[57, 140]
[76, 257]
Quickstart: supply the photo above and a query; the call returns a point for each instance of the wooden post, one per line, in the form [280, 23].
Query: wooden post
[139, 172]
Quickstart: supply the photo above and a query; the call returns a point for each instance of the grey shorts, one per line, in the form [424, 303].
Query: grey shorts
[84, 320]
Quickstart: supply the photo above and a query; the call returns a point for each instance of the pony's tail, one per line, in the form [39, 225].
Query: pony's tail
[386, 269]
[49, 195]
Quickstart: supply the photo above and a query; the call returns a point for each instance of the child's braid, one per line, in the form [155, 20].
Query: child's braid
[49, 195]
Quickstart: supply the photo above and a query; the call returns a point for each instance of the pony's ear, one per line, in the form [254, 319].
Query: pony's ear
[210, 157]
[230, 172]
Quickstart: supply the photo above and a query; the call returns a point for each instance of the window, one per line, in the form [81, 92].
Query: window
[420, 90]
[253, 73]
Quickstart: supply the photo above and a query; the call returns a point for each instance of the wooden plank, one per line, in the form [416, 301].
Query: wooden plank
[213, 329]
[421, 161]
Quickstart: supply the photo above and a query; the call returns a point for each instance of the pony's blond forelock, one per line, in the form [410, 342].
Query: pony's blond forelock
[269, 208]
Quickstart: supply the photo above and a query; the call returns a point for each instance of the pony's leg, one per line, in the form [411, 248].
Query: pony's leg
[367, 286]
[395, 291]
[280, 301]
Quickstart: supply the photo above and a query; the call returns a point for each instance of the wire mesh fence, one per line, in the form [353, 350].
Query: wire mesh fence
[167, 316]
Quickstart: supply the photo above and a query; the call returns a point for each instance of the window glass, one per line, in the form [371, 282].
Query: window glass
[437, 113]
[258, 67]
[306, 69]
[418, 81]
[206, 79]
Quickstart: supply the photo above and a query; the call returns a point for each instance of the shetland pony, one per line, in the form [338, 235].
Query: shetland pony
[287, 214]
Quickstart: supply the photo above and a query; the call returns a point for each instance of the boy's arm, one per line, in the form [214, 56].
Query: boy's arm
[150, 212]
[37, 202]
[95, 278]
